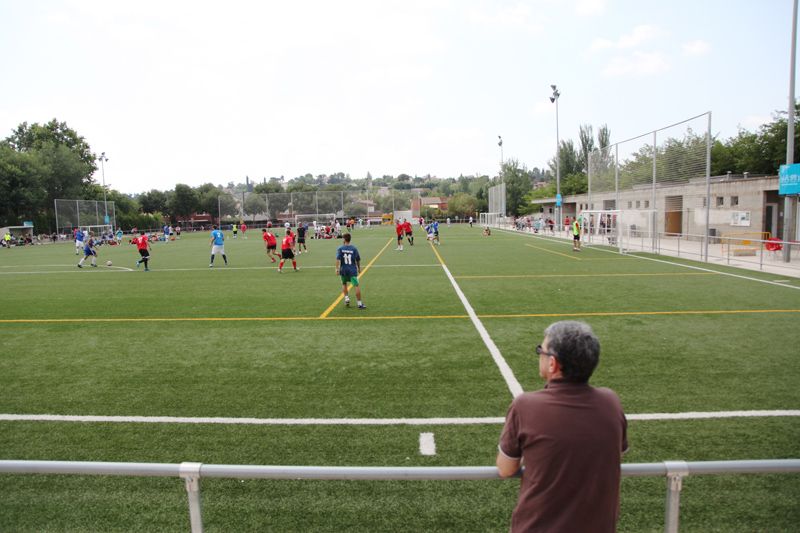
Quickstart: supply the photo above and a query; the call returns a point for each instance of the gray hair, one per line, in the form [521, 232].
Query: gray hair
[576, 348]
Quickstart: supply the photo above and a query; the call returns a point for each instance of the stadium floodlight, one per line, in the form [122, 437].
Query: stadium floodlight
[554, 100]
[500, 144]
[103, 159]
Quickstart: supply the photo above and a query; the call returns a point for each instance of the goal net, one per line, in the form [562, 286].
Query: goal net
[628, 230]
[493, 220]
[601, 228]
[71, 214]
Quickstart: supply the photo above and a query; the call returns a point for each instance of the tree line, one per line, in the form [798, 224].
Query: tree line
[42, 162]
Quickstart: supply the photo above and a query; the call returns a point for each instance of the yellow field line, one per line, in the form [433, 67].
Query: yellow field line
[360, 275]
[585, 275]
[435, 251]
[398, 317]
[552, 252]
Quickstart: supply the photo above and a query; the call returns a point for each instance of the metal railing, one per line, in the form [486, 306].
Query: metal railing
[674, 471]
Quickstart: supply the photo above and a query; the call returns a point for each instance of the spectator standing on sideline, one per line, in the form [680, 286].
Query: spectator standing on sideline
[570, 436]
[217, 245]
[348, 266]
[143, 246]
[470, 222]
[243, 227]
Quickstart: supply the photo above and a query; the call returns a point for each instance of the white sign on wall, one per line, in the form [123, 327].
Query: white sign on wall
[740, 218]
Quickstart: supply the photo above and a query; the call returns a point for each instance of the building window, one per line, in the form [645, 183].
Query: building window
[646, 204]
[734, 201]
[638, 204]
[630, 204]
[720, 201]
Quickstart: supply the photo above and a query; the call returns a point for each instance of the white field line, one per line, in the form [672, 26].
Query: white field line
[632, 255]
[112, 268]
[505, 370]
[454, 421]
[427, 445]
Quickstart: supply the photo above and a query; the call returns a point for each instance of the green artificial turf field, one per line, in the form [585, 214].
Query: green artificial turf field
[244, 341]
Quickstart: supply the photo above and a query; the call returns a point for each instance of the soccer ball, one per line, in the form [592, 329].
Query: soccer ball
[287, 225]
[109, 263]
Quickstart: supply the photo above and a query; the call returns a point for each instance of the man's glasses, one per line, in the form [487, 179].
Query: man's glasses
[540, 351]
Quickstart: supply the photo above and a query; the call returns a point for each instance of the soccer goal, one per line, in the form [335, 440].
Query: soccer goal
[627, 230]
[98, 230]
[493, 220]
[601, 228]
[72, 214]
[315, 219]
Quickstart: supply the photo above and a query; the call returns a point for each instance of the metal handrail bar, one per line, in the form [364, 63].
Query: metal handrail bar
[674, 471]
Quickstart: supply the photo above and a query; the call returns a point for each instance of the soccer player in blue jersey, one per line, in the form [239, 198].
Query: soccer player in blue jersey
[89, 251]
[348, 266]
[217, 246]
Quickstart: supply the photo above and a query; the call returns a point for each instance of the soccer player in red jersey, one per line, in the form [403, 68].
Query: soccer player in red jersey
[399, 229]
[143, 245]
[409, 232]
[287, 251]
[271, 243]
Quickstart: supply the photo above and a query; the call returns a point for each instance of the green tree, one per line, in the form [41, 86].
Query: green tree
[518, 184]
[463, 205]
[183, 202]
[154, 201]
[21, 192]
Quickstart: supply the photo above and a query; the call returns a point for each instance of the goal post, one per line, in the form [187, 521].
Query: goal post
[71, 214]
[602, 227]
[493, 220]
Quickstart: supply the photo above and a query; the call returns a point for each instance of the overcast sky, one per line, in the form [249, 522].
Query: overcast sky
[194, 92]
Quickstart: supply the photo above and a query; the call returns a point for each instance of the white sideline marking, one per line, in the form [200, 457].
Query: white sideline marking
[427, 446]
[363, 421]
[505, 370]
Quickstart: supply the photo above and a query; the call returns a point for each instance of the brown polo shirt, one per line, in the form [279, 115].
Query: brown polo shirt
[570, 437]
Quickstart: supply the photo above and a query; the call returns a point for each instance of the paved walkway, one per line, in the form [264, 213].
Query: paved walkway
[751, 257]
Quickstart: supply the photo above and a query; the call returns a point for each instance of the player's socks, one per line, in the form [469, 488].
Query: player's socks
[280, 265]
[294, 264]
[225, 257]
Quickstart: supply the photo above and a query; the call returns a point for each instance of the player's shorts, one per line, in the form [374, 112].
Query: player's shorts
[301, 240]
[287, 253]
[576, 237]
[352, 280]
[272, 247]
[78, 244]
[400, 237]
[88, 252]
[144, 253]
[218, 249]
[409, 234]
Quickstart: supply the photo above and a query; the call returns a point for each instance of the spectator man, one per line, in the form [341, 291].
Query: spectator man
[570, 436]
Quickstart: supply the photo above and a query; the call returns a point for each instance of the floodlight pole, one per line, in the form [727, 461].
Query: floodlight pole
[790, 202]
[502, 160]
[554, 99]
[103, 159]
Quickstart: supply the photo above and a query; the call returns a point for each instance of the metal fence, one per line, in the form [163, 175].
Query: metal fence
[665, 171]
[286, 206]
[191, 473]
[497, 199]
